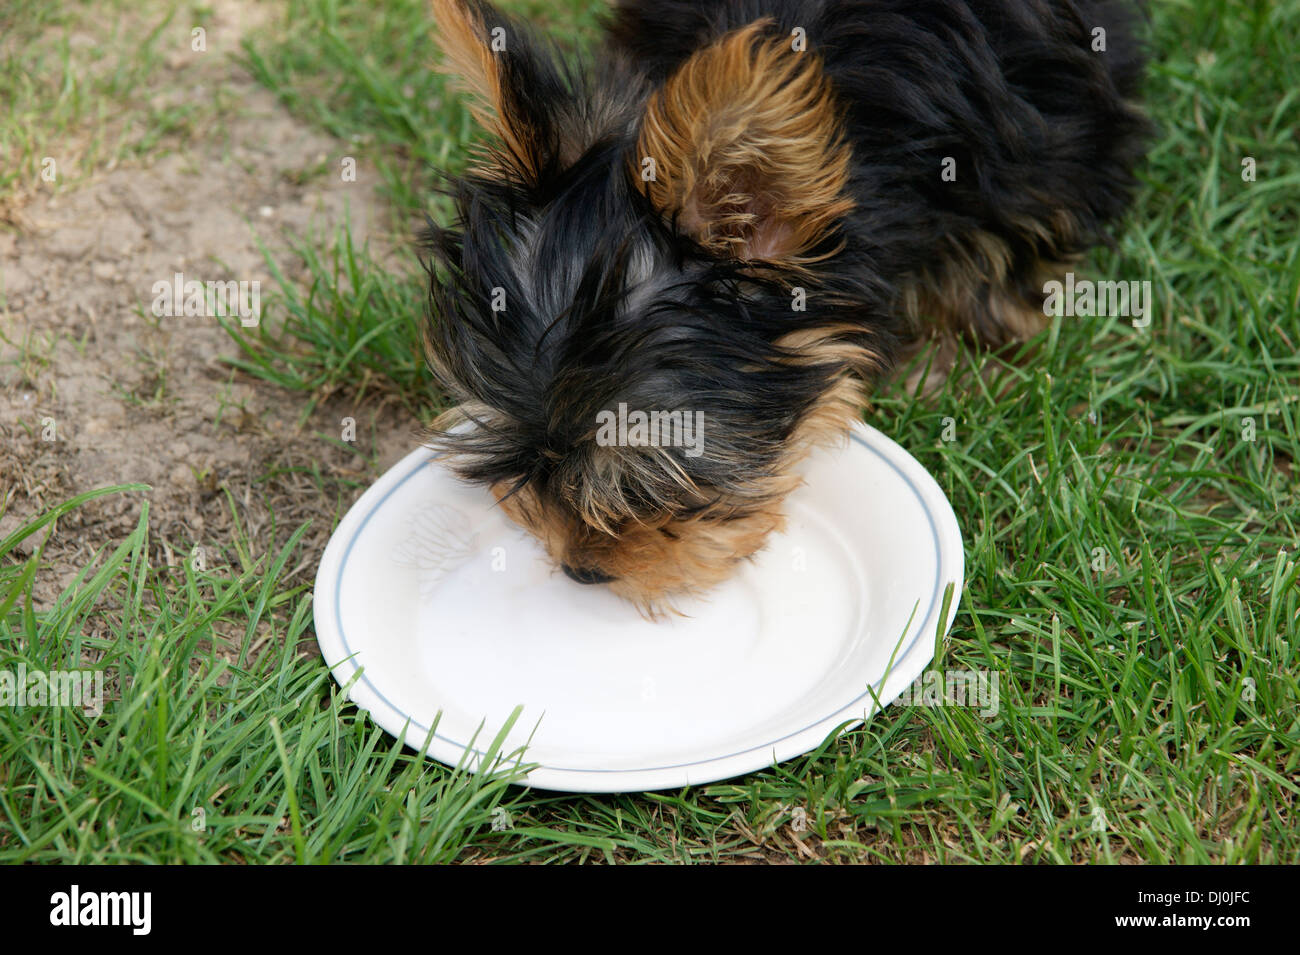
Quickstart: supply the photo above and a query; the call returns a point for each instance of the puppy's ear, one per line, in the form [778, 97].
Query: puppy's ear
[516, 92]
[748, 152]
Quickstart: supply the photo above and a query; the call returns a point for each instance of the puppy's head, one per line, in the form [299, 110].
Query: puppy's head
[629, 310]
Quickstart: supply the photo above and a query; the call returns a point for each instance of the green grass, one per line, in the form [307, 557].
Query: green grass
[354, 324]
[1129, 499]
[207, 751]
[69, 74]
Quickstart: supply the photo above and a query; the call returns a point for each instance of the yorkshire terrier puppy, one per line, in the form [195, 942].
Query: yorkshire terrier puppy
[743, 211]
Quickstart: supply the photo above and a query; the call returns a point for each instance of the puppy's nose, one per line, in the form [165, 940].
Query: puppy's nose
[585, 575]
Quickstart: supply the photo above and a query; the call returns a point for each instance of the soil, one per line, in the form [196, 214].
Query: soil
[96, 391]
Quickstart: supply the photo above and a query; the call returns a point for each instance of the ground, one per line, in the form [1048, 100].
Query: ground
[1128, 495]
[130, 398]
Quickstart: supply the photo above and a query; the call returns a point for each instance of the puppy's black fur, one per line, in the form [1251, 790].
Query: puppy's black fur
[568, 285]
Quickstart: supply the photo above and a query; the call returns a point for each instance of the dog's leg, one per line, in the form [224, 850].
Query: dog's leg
[982, 293]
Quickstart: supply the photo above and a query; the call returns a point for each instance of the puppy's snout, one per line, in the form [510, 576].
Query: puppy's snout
[585, 575]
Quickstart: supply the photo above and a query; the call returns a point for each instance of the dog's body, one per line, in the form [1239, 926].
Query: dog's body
[1037, 129]
[743, 211]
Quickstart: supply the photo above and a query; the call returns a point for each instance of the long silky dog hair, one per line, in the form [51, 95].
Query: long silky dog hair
[744, 210]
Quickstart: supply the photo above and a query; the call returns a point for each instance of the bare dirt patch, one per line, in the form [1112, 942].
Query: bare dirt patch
[95, 390]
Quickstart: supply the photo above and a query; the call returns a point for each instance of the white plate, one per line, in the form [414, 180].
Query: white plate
[445, 606]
